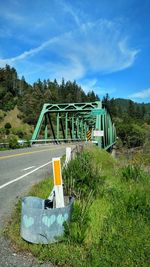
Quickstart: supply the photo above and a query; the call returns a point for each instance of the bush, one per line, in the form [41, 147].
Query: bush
[80, 176]
[20, 133]
[13, 142]
[82, 179]
[131, 134]
[7, 131]
[7, 125]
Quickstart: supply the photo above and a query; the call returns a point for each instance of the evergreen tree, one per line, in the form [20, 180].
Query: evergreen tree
[143, 110]
[138, 113]
[131, 109]
[106, 102]
[91, 96]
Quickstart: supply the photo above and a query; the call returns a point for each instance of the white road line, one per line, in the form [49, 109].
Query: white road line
[26, 169]
[21, 177]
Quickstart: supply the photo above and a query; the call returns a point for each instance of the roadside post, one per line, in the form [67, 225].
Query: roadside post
[59, 196]
[68, 155]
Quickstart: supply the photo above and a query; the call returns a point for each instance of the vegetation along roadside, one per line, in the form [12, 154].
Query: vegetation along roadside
[111, 216]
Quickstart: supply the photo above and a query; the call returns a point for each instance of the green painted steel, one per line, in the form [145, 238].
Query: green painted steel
[71, 121]
[97, 112]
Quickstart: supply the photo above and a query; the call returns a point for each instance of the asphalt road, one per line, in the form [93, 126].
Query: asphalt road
[19, 170]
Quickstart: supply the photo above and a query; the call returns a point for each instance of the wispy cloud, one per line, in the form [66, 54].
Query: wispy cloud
[141, 94]
[68, 9]
[88, 84]
[97, 47]
[11, 14]
[72, 70]
[94, 84]
[28, 53]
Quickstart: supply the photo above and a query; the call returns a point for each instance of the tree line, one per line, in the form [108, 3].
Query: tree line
[15, 91]
[131, 119]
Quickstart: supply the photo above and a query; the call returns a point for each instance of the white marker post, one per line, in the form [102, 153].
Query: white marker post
[68, 155]
[58, 183]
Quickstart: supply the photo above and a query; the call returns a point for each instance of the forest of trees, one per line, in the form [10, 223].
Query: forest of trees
[131, 118]
[15, 91]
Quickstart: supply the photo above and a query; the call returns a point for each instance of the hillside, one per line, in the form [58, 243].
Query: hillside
[124, 103]
[12, 125]
[18, 101]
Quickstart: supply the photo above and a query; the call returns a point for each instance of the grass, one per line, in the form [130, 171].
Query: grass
[13, 117]
[118, 233]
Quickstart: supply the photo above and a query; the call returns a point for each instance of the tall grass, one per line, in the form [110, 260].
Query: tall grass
[110, 227]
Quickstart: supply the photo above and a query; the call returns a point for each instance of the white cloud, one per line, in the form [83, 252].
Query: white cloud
[68, 9]
[88, 84]
[100, 47]
[142, 94]
[28, 53]
[94, 47]
[72, 70]
[94, 84]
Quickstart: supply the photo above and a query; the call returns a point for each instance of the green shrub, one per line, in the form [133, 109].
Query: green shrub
[20, 133]
[13, 142]
[7, 131]
[7, 128]
[7, 125]
[81, 176]
[131, 134]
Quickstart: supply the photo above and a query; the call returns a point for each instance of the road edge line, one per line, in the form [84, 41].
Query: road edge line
[22, 176]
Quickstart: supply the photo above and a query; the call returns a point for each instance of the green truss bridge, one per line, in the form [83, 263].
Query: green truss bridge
[75, 122]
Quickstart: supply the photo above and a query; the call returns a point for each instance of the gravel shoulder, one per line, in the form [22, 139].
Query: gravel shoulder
[10, 258]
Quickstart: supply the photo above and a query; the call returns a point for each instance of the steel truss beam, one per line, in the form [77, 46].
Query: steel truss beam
[71, 122]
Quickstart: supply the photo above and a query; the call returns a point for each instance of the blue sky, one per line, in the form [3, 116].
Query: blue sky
[104, 45]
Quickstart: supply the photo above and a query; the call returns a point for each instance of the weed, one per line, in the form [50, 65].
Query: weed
[132, 172]
[76, 229]
[138, 204]
[81, 176]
